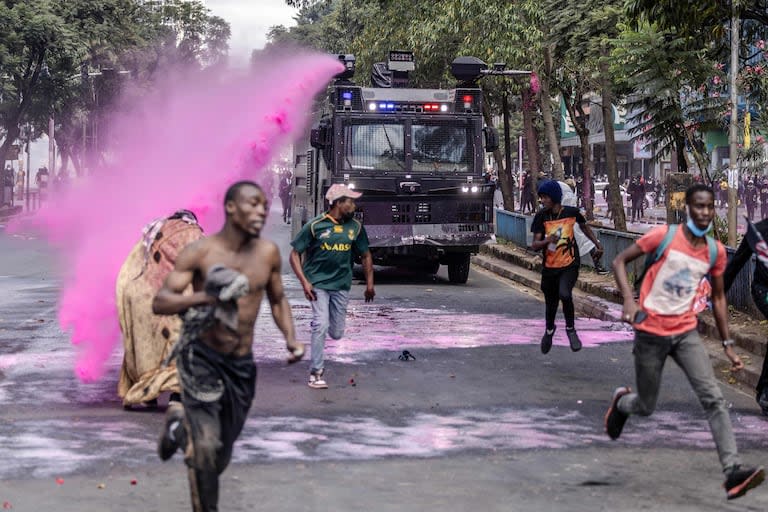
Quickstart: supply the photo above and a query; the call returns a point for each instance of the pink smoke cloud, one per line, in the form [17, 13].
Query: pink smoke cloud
[179, 147]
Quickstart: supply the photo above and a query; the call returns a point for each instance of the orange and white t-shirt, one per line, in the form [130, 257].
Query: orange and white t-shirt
[670, 284]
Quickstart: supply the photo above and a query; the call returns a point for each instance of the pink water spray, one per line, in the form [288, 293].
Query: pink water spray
[178, 147]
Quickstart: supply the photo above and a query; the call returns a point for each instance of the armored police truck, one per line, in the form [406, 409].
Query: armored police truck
[417, 155]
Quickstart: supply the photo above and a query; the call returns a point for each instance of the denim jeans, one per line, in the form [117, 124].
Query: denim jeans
[651, 352]
[329, 314]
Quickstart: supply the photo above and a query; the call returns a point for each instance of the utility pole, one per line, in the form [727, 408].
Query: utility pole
[733, 133]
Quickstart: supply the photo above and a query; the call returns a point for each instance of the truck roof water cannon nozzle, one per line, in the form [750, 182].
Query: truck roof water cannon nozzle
[349, 67]
[468, 70]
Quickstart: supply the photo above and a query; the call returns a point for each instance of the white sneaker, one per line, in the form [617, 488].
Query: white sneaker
[316, 380]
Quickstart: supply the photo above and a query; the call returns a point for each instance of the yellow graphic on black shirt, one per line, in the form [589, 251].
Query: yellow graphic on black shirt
[563, 252]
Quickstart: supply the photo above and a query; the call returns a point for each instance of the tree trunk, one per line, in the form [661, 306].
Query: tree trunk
[614, 194]
[546, 114]
[531, 139]
[579, 124]
[11, 135]
[76, 162]
[64, 152]
[682, 163]
[505, 175]
[587, 174]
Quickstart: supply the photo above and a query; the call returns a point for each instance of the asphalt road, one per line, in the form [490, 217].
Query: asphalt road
[481, 420]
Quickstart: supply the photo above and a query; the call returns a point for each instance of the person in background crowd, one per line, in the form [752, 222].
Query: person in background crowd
[285, 191]
[750, 199]
[763, 194]
[527, 201]
[636, 193]
[41, 179]
[657, 199]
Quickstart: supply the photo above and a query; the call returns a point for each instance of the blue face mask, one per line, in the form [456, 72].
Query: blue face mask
[695, 229]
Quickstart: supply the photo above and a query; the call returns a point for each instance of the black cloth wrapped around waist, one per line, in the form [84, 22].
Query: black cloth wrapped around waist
[207, 375]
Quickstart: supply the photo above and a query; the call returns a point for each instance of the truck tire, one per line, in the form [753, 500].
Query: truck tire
[458, 268]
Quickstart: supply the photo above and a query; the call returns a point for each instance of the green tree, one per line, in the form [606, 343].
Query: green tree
[582, 36]
[669, 83]
[186, 34]
[42, 42]
[48, 47]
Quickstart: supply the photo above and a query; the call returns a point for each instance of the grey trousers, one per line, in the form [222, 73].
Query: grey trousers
[651, 352]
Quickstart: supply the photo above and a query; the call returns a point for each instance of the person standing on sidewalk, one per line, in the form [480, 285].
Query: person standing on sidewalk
[553, 231]
[665, 323]
[751, 243]
[636, 192]
[328, 243]
[764, 199]
[750, 199]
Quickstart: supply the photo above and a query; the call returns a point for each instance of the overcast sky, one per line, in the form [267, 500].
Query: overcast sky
[250, 21]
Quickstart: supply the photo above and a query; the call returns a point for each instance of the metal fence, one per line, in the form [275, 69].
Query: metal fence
[516, 228]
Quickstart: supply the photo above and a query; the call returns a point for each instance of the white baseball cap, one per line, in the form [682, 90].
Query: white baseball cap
[338, 191]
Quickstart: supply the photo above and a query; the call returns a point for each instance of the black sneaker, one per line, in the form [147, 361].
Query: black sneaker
[546, 341]
[573, 339]
[614, 418]
[601, 270]
[174, 434]
[739, 480]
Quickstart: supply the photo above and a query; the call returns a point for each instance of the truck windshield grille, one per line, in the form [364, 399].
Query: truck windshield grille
[374, 147]
[440, 148]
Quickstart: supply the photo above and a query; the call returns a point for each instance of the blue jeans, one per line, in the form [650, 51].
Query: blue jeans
[329, 314]
[686, 350]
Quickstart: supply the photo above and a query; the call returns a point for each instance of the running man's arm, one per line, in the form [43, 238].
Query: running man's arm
[170, 299]
[367, 261]
[587, 230]
[619, 264]
[281, 309]
[295, 261]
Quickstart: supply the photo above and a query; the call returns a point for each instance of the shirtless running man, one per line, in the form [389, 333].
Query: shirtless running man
[229, 272]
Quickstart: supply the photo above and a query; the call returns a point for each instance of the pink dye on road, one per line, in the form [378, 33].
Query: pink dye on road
[180, 147]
